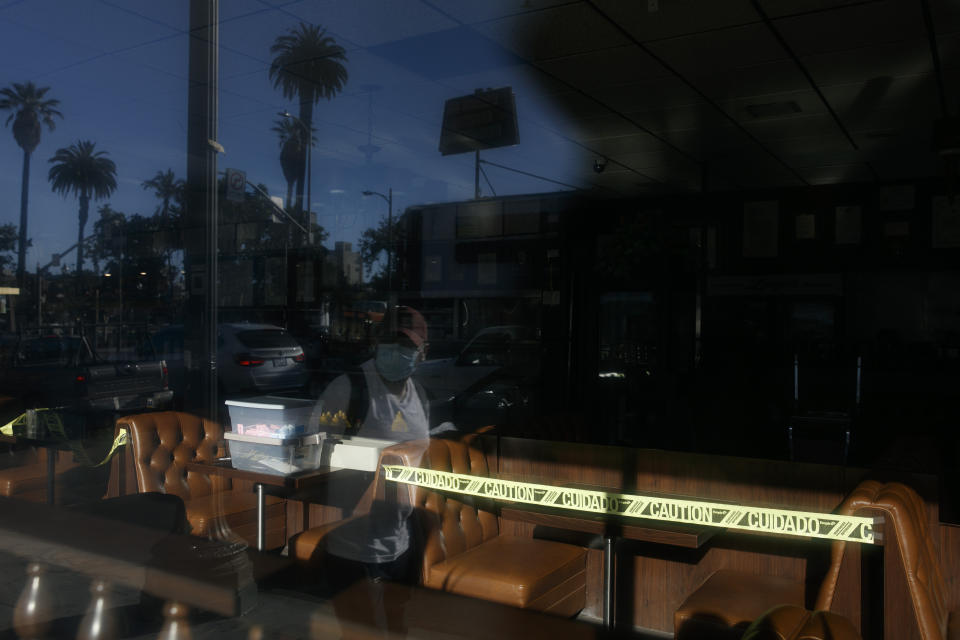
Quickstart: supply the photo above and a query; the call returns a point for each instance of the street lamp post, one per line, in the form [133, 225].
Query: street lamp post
[389, 200]
[309, 135]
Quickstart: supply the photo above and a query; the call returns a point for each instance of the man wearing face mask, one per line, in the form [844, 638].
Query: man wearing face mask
[381, 400]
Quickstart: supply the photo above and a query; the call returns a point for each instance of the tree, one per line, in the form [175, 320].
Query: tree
[30, 110]
[376, 241]
[85, 173]
[167, 188]
[292, 152]
[8, 242]
[308, 65]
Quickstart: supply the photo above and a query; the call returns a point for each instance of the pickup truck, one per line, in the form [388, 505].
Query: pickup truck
[64, 372]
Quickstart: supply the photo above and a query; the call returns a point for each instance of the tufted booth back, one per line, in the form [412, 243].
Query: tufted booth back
[451, 525]
[905, 519]
[163, 442]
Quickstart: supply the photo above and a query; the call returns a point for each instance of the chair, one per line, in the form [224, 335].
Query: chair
[729, 601]
[160, 445]
[788, 622]
[464, 553]
[820, 431]
[462, 549]
[907, 530]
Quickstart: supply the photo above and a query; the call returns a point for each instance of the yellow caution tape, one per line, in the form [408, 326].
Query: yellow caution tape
[54, 425]
[728, 516]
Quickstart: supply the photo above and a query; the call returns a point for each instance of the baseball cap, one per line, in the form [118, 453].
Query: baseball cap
[406, 321]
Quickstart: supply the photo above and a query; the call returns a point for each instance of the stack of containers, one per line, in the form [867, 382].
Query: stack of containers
[273, 434]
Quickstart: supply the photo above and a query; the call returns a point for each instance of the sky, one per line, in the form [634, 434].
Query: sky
[119, 68]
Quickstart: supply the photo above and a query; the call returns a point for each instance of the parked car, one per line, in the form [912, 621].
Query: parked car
[251, 358]
[494, 378]
[64, 371]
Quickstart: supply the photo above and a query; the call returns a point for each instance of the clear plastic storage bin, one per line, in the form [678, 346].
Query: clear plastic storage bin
[271, 416]
[278, 456]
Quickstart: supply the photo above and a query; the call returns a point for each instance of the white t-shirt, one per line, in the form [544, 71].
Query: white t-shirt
[383, 534]
[391, 417]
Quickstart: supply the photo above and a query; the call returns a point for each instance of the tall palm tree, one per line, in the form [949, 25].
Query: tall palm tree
[83, 172]
[308, 65]
[165, 187]
[30, 110]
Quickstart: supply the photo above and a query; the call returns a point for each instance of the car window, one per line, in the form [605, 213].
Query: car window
[48, 351]
[266, 339]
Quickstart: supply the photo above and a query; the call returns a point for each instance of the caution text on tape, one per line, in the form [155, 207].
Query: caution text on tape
[728, 516]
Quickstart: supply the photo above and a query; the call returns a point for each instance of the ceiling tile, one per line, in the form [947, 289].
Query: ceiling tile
[602, 127]
[708, 143]
[473, 12]
[780, 8]
[552, 33]
[852, 27]
[946, 16]
[677, 17]
[717, 51]
[806, 100]
[633, 143]
[832, 174]
[948, 47]
[905, 58]
[617, 66]
[785, 128]
[697, 116]
[668, 91]
[760, 80]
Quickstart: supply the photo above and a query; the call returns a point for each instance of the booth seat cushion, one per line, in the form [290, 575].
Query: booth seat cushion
[238, 508]
[523, 572]
[788, 622]
[953, 626]
[728, 601]
[29, 479]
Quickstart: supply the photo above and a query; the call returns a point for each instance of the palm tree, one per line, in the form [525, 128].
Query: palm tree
[83, 172]
[30, 112]
[292, 154]
[308, 65]
[166, 187]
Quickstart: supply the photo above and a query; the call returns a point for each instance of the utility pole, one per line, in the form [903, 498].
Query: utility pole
[39, 300]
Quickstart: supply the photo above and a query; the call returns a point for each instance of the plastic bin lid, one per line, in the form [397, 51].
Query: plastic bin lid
[276, 442]
[270, 402]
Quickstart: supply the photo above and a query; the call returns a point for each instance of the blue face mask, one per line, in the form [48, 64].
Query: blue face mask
[395, 362]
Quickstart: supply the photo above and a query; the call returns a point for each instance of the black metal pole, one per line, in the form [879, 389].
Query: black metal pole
[202, 203]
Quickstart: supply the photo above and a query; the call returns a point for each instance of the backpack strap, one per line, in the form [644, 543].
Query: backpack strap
[359, 398]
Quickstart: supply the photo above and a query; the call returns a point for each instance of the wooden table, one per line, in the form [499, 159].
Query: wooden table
[269, 483]
[53, 447]
[612, 528]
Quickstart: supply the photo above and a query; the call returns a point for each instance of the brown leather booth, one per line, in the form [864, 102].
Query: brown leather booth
[462, 549]
[908, 535]
[789, 622]
[28, 479]
[729, 601]
[154, 460]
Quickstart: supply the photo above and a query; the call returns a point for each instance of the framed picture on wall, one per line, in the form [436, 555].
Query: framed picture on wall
[761, 229]
[847, 225]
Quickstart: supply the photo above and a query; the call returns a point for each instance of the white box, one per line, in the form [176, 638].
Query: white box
[358, 453]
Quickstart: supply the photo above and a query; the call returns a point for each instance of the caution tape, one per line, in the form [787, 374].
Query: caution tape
[760, 519]
[54, 425]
